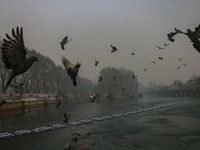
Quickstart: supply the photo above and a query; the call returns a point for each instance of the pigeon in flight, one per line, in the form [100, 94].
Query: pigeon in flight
[58, 103]
[66, 116]
[14, 54]
[72, 70]
[132, 53]
[133, 75]
[180, 59]
[178, 67]
[172, 34]
[2, 102]
[96, 62]
[145, 69]
[64, 41]
[92, 97]
[160, 58]
[165, 44]
[113, 48]
[100, 78]
[160, 47]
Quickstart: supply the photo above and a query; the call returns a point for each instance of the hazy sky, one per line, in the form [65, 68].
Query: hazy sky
[131, 25]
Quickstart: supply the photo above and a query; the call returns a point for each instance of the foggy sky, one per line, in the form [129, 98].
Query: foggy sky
[131, 25]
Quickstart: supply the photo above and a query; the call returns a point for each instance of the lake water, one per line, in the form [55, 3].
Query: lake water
[172, 128]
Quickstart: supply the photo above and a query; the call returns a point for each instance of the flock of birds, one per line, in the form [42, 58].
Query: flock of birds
[14, 58]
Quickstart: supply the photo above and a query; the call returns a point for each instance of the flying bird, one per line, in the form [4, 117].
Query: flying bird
[160, 58]
[14, 55]
[178, 67]
[58, 103]
[100, 78]
[132, 53]
[180, 59]
[66, 116]
[115, 85]
[165, 44]
[64, 41]
[113, 48]
[145, 69]
[172, 34]
[153, 62]
[133, 75]
[2, 102]
[96, 62]
[92, 97]
[160, 47]
[72, 70]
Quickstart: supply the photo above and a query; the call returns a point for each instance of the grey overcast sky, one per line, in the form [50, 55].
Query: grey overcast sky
[131, 25]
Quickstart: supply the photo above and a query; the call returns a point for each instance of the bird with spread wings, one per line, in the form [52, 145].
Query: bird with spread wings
[14, 54]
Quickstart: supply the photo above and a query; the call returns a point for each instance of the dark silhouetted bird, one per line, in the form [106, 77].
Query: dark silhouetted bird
[58, 103]
[72, 70]
[14, 54]
[153, 62]
[160, 58]
[113, 48]
[184, 64]
[180, 59]
[2, 102]
[100, 78]
[178, 67]
[66, 116]
[96, 62]
[64, 41]
[160, 47]
[145, 69]
[92, 97]
[133, 75]
[132, 53]
[172, 34]
[165, 44]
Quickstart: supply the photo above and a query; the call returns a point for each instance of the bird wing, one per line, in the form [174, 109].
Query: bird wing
[13, 49]
[67, 64]
[64, 41]
[197, 31]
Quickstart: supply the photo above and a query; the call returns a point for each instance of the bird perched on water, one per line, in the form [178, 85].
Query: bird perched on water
[92, 97]
[160, 58]
[113, 48]
[172, 34]
[66, 116]
[160, 47]
[100, 78]
[2, 102]
[96, 62]
[64, 41]
[72, 70]
[14, 54]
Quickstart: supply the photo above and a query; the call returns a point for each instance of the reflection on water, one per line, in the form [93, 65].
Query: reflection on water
[169, 128]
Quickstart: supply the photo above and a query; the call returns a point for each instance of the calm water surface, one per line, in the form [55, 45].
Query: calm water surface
[172, 128]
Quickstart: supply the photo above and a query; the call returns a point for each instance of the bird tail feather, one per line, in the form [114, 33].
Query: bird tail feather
[8, 83]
